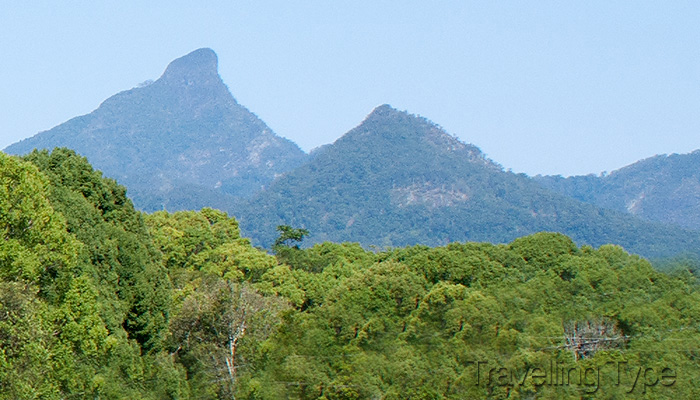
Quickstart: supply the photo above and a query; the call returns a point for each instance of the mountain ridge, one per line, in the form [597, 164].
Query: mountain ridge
[662, 188]
[398, 179]
[184, 142]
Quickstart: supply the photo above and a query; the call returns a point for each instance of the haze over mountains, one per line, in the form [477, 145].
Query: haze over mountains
[663, 188]
[183, 142]
[179, 142]
[398, 179]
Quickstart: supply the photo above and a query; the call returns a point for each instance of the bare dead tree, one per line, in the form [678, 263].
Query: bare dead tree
[585, 338]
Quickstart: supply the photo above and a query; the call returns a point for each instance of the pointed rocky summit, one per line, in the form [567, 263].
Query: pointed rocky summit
[197, 65]
[180, 142]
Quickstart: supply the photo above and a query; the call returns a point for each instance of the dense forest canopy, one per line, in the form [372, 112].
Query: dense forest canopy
[98, 300]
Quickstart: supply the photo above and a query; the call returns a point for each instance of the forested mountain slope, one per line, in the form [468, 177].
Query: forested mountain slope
[663, 188]
[398, 179]
[180, 142]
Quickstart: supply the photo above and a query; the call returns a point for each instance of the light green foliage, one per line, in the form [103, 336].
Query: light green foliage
[412, 323]
[25, 337]
[94, 276]
[34, 238]
[208, 241]
[81, 334]
[118, 253]
[225, 298]
[99, 301]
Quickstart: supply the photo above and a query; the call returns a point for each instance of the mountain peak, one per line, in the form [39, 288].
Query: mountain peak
[384, 111]
[196, 67]
[183, 131]
[387, 129]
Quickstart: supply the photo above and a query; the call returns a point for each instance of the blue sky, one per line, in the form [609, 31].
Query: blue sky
[541, 87]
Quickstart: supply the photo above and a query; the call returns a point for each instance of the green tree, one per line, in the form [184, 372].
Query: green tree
[36, 245]
[289, 235]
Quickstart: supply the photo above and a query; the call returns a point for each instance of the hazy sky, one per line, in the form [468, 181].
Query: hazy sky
[554, 87]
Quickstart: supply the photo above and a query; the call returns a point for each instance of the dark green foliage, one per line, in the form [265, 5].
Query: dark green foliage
[398, 179]
[59, 319]
[184, 143]
[122, 258]
[289, 235]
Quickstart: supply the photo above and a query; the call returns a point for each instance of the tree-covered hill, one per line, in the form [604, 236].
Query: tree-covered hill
[180, 142]
[398, 179]
[100, 301]
[664, 188]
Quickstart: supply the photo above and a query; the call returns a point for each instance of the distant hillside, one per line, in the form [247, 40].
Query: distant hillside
[183, 142]
[180, 142]
[664, 188]
[398, 179]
